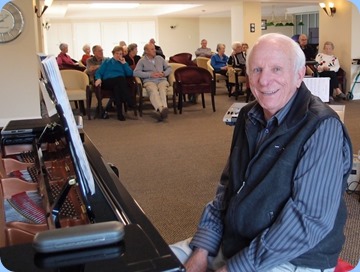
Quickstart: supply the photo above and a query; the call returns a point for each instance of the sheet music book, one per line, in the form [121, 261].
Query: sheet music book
[51, 74]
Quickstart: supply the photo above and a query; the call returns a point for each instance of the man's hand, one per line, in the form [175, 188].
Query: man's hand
[157, 74]
[197, 261]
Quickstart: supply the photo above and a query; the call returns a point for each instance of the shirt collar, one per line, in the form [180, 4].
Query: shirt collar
[256, 114]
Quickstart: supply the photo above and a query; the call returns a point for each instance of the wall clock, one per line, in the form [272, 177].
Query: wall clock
[11, 23]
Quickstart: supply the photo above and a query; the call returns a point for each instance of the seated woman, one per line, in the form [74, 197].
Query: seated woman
[64, 61]
[328, 66]
[87, 55]
[112, 76]
[219, 62]
[237, 61]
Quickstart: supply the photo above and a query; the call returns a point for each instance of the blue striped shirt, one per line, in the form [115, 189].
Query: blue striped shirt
[308, 215]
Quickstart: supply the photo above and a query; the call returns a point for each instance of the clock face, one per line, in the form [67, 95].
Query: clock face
[11, 23]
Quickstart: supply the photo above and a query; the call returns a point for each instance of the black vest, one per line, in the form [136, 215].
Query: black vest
[268, 176]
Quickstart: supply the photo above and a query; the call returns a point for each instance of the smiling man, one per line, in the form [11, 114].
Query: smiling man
[279, 205]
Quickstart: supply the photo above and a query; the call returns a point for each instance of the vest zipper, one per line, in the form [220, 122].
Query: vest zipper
[242, 186]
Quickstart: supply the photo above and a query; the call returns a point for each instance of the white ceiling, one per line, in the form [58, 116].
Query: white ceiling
[76, 9]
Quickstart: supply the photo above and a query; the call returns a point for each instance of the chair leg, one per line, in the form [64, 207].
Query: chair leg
[213, 102]
[174, 103]
[203, 100]
[180, 104]
[82, 107]
[88, 102]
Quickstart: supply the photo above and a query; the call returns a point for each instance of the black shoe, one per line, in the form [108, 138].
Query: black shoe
[121, 117]
[164, 113]
[105, 115]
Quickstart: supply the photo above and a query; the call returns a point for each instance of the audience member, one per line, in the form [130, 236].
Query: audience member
[122, 43]
[236, 61]
[279, 205]
[219, 62]
[328, 65]
[153, 70]
[125, 50]
[307, 49]
[158, 49]
[93, 63]
[112, 76]
[65, 61]
[203, 51]
[86, 49]
[132, 58]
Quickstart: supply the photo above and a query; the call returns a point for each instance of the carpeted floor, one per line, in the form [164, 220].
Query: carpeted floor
[172, 168]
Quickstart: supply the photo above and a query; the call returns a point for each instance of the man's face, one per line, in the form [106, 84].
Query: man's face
[150, 50]
[204, 44]
[272, 77]
[303, 40]
[98, 53]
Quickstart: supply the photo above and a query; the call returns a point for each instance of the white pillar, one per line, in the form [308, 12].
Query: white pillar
[237, 22]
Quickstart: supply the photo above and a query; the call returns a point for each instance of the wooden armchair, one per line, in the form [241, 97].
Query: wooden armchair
[102, 93]
[193, 80]
[183, 58]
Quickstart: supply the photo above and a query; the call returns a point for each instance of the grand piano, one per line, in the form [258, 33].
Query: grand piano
[43, 191]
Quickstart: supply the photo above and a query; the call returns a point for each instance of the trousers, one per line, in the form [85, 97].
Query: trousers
[157, 93]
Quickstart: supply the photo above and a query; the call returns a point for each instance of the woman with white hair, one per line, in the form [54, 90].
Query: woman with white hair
[328, 67]
[86, 49]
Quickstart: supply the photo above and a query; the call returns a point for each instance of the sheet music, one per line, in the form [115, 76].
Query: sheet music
[54, 77]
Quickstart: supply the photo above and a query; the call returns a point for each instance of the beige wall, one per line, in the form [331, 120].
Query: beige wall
[19, 73]
[183, 37]
[215, 30]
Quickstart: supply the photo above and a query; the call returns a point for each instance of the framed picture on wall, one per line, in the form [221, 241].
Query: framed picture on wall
[263, 24]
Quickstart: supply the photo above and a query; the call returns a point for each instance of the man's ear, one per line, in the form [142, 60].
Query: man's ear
[300, 76]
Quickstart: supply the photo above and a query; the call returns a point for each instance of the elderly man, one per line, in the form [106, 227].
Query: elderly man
[158, 49]
[94, 62]
[307, 49]
[203, 51]
[153, 70]
[279, 205]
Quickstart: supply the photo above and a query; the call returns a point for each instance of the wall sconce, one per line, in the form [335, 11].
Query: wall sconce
[47, 3]
[331, 7]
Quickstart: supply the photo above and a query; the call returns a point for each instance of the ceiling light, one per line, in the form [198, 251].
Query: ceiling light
[114, 5]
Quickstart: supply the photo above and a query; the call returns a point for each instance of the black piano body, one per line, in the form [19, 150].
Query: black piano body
[142, 249]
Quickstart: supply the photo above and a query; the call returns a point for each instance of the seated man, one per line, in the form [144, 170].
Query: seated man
[153, 70]
[158, 49]
[65, 61]
[203, 51]
[280, 203]
[93, 63]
